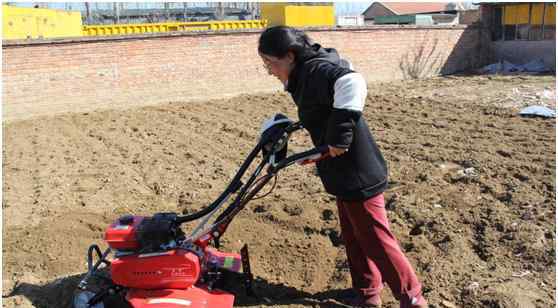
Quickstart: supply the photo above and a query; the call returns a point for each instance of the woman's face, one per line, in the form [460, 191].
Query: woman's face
[279, 67]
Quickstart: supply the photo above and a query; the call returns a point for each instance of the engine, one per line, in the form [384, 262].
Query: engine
[175, 268]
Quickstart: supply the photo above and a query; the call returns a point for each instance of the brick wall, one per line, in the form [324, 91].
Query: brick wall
[469, 17]
[91, 73]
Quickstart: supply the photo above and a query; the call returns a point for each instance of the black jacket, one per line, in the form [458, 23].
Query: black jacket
[361, 172]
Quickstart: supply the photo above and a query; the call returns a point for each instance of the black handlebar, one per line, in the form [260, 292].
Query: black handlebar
[236, 183]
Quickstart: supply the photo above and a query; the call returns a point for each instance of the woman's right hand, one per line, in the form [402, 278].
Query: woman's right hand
[333, 151]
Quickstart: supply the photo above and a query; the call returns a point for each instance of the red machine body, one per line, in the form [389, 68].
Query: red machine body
[192, 297]
[121, 235]
[177, 268]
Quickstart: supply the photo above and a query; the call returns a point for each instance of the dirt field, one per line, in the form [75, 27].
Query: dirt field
[471, 196]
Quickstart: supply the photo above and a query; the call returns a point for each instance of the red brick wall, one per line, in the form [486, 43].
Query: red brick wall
[469, 17]
[86, 74]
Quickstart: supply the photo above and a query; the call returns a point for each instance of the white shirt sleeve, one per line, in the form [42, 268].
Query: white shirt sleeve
[350, 92]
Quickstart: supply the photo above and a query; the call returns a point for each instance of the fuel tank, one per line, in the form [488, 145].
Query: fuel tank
[121, 235]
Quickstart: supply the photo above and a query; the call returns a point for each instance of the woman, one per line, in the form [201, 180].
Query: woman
[330, 97]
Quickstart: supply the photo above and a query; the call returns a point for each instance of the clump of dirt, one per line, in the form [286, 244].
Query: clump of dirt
[471, 195]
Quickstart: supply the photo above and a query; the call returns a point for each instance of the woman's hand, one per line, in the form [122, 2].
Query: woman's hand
[333, 151]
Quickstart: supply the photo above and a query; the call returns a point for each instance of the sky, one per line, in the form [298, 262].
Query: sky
[351, 8]
[341, 8]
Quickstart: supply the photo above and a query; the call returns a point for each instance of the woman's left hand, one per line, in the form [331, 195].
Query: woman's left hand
[333, 151]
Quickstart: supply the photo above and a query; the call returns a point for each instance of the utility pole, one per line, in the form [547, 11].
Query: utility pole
[185, 10]
[254, 9]
[116, 12]
[87, 13]
[220, 11]
[166, 6]
[121, 11]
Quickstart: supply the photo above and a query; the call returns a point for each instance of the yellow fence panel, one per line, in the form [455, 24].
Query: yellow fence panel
[510, 15]
[550, 14]
[537, 13]
[523, 14]
[126, 29]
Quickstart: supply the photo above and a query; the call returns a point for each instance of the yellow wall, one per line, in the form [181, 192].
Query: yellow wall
[300, 16]
[281, 13]
[23, 23]
[273, 12]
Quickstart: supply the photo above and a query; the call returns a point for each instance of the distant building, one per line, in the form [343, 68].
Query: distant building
[419, 13]
[521, 31]
[350, 20]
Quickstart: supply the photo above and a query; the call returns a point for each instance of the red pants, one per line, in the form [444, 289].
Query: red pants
[374, 254]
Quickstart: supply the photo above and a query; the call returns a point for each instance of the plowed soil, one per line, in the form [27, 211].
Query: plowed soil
[471, 195]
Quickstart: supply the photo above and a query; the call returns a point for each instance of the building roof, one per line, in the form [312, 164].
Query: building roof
[404, 8]
[408, 8]
[498, 3]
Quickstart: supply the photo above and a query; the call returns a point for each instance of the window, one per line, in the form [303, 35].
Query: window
[549, 32]
[509, 32]
[535, 33]
[522, 32]
[497, 30]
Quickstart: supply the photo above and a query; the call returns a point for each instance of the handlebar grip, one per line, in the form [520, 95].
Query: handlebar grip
[315, 155]
[307, 157]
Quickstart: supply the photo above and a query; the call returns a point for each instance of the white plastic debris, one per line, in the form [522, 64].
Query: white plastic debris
[536, 66]
[538, 111]
[503, 66]
[521, 274]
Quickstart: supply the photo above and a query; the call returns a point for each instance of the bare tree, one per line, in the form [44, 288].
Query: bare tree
[43, 5]
[461, 6]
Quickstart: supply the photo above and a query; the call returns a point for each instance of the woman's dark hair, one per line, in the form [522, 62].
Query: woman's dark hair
[279, 40]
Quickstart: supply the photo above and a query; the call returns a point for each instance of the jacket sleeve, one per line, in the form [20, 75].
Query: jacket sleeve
[349, 97]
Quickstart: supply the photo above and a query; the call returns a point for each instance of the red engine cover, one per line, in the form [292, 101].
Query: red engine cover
[193, 297]
[177, 268]
[121, 235]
